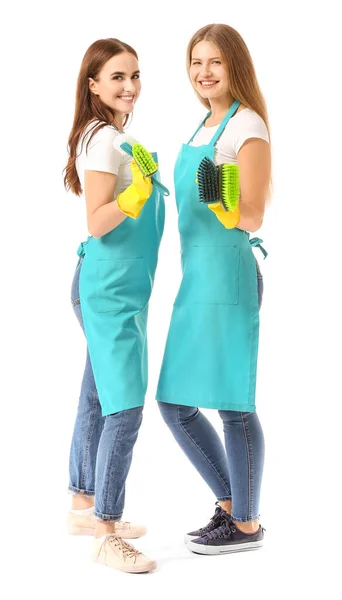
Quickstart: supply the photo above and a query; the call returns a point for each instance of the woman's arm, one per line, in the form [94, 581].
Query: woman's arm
[103, 214]
[254, 160]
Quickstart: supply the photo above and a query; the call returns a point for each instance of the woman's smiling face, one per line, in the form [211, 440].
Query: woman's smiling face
[118, 83]
[208, 71]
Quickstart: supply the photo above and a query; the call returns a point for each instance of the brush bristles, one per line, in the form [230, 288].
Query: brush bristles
[144, 160]
[208, 188]
[230, 185]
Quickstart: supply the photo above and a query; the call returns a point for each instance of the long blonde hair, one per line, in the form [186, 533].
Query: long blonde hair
[243, 82]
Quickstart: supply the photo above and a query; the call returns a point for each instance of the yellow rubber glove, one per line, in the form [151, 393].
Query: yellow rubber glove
[134, 197]
[229, 219]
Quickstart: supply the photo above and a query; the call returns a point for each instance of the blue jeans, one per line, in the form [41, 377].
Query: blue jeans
[233, 472]
[101, 447]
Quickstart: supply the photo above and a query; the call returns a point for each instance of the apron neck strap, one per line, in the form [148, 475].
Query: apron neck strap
[224, 122]
[199, 127]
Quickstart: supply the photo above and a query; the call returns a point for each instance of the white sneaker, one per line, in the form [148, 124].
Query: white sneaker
[114, 552]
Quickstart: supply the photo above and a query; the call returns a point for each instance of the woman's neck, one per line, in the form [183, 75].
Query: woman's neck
[219, 108]
[118, 121]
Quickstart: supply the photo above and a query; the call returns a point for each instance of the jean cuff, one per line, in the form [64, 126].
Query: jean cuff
[246, 520]
[74, 490]
[108, 518]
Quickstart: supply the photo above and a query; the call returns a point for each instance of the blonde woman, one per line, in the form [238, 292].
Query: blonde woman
[211, 353]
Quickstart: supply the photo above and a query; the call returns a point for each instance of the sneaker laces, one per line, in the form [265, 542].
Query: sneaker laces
[217, 518]
[225, 530]
[126, 550]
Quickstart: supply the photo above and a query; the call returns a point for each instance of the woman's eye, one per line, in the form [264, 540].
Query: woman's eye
[117, 77]
[136, 76]
[214, 61]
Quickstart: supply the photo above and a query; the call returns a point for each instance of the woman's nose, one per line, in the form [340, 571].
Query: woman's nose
[205, 71]
[129, 86]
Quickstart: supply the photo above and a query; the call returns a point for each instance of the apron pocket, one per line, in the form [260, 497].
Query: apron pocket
[122, 285]
[211, 276]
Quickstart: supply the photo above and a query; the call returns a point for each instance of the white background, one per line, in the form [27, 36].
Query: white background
[295, 47]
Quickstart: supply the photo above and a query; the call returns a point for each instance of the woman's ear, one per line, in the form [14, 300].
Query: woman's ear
[93, 86]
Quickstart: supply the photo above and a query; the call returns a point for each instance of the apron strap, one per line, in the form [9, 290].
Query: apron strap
[224, 122]
[81, 249]
[256, 243]
[199, 127]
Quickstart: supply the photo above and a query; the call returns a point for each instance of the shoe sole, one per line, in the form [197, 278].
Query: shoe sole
[204, 549]
[189, 538]
[132, 569]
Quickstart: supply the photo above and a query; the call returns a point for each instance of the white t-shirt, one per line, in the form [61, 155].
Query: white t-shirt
[104, 154]
[242, 126]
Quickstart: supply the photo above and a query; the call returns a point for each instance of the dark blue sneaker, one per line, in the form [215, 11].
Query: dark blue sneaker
[214, 522]
[226, 538]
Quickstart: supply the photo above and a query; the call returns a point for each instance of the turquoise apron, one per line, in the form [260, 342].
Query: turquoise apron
[116, 281]
[211, 352]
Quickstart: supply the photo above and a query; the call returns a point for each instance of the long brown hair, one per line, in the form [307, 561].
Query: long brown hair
[243, 82]
[88, 106]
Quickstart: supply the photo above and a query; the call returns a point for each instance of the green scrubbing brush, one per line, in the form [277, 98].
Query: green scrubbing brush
[229, 185]
[144, 161]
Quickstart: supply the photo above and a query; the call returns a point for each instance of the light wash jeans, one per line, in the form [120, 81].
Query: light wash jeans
[233, 472]
[101, 447]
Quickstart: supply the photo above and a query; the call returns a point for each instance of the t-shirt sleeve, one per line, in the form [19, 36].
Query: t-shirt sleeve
[101, 155]
[251, 126]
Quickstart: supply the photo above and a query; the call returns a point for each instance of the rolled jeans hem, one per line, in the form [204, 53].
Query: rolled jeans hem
[108, 518]
[245, 520]
[74, 490]
[224, 498]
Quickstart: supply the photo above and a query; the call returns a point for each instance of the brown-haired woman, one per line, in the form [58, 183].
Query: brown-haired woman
[110, 294]
[210, 358]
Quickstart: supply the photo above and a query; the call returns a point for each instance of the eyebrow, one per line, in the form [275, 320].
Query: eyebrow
[213, 58]
[123, 73]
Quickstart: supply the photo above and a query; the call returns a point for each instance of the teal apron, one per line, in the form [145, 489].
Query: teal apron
[116, 281]
[211, 352]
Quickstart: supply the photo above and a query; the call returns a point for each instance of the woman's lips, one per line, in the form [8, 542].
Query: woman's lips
[208, 83]
[127, 98]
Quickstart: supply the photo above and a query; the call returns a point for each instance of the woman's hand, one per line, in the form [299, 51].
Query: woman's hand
[132, 200]
[229, 219]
